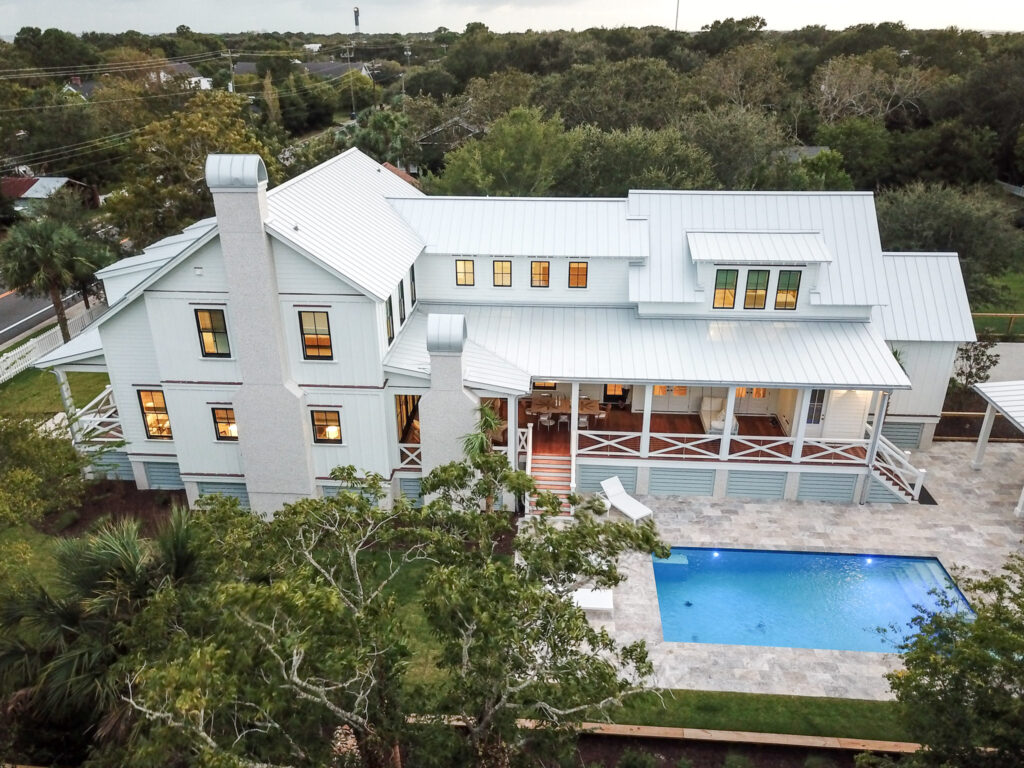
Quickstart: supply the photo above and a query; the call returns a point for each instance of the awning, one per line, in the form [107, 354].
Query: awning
[758, 247]
[84, 349]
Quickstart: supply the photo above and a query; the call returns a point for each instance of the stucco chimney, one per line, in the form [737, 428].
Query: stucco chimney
[448, 409]
[275, 436]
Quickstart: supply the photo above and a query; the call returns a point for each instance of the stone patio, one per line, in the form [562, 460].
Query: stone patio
[971, 529]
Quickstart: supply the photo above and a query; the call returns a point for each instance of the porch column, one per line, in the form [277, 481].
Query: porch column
[876, 435]
[66, 400]
[512, 430]
[645, 429]
[803, 407]
[983, 436]
[730, 410]
[1019, 509]
[574, 432]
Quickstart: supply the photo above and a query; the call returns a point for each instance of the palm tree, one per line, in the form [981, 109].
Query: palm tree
[478, 446]
[45, 257]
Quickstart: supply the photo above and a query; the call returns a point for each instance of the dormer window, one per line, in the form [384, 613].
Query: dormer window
[725, 288]
[788, 289]
[757, 289]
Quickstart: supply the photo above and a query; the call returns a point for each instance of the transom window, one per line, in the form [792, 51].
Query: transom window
[390, 319]
[326, 426]
[816, 406]
[154, 414]
[401, 302]
[464, 272]
[788, 289]
[540, 274]
[679, 391]
[503, 274]
[224, 424]
[213, 333]
[757, 393]
[757, 289]
[577, 274]
[725, 288]
[316, 336]
[660, 390]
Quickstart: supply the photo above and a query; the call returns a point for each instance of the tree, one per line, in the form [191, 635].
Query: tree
[487, 100]
[720, 36]
[974, 223]
[430, 81]
[748, 76]
[866, 147]
[949, 151]
[960, 691]
[386, 137]
[271, 104]
[742, 143]
[522, 155]
[45, 257]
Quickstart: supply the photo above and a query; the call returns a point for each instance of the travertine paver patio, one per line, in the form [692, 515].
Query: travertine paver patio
[972, 527]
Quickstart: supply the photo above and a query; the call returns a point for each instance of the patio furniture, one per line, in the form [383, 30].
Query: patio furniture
[615, 496]
[563, 418]
[712, 416]
[564, 405]
[584, 422]
[599, 600]
[602, 414]
[547, 420]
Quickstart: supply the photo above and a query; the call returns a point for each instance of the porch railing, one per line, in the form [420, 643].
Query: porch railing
[410, 456]
[894, 464]
[98, 421]
[592, 443]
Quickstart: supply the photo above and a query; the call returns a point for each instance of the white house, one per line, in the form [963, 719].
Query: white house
[692, 343]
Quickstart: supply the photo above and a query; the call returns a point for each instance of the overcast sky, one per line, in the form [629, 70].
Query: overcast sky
[426, 15]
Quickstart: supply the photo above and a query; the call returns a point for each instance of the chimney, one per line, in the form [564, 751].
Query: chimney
[275, 436]
[448, 411]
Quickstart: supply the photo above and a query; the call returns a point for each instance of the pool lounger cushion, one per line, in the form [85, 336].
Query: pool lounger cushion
[615, 495]
[594, 599]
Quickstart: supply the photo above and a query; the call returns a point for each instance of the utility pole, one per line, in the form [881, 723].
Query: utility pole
[408, 54]
[351, 80]
[677, 15]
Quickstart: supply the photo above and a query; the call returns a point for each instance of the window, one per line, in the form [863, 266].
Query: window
[758, 393]
[502, 274]
[788, 290]
[725, 288]
[408, 415]
[224, 424]
[154, 414]
[401, 302]
[213, 333]
[660, 390]
[816, 407]
[464, 272]
[614, 390]
[540, 273]
[316, 336]
[757, 289]
[412, 284]
[545, 385]
[741, 392]
[326, 426]
[390, 320]
[577, 274]
[679, 391]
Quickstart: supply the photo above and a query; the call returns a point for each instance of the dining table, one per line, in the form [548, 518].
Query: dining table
[588, 406]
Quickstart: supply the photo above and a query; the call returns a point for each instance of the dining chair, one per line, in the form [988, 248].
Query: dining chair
[584, 422]
[563, 418]
[547, 420]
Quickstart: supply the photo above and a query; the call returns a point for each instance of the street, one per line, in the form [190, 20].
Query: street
[15, 308]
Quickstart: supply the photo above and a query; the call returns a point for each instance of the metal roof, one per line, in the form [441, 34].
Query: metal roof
[614, 344]
[1007, 396]
[446, 334]
[927, 299]
[337, 213]
[511, 226]
[234, 171]
[159, 253]
[82, 347]
[846, 220]
[758, 247]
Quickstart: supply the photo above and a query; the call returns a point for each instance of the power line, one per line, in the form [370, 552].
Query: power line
[31, 156]
[58, 155]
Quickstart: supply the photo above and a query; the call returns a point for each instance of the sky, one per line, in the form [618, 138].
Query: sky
[326, 16]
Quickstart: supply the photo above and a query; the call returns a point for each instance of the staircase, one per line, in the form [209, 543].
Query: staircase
[553, 473]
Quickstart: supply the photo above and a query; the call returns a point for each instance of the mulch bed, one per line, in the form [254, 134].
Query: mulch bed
[606, 751]
[970, 426]
[116, 500]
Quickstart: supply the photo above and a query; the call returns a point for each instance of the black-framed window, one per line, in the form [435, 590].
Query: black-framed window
[326, 426]
[578, 274]
[213, 333]
[401, 302]
[224, 425]
[464, 272]
[412, 285]
[788, 290]
[389, 312]
[725, 288]
[316, 336]
[154, 414]
[540, 274]
[615, 393]
[502, 274]
[757, 289]
[816, 408]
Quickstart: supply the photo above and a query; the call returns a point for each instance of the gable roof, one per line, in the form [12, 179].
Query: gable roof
[33, 188]
[530, 226]
[927, 299]
[338, 214]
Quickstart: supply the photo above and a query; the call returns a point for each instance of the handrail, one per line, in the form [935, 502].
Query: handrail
[899, 471]
[98, 420]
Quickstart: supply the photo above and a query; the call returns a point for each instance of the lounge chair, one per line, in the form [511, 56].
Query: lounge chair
[594, 600]
[615, 495]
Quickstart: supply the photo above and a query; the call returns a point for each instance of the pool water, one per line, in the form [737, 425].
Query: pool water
[795, 599]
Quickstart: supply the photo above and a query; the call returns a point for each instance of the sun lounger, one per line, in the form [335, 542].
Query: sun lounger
[594, 600]
[616, 496]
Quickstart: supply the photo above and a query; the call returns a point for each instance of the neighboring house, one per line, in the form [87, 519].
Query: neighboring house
[28, 191]
[334, 69]
[313, 47]
[692, 343]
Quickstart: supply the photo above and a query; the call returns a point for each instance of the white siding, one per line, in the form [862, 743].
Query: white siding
[367, 418]
[928, 364]
[179, 354]
[297, 274]
[607, 282]
[845, 413]
[183, 277]
[355, 339]
[192, 422]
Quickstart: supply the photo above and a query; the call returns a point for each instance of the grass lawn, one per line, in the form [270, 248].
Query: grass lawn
[1013, 283]
[34, 393]
[25, 545]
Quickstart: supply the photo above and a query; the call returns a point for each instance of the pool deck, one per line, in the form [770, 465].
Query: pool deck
[972, 528]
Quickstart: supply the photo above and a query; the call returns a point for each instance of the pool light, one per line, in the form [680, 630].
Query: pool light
[714, 554]
[869, 561]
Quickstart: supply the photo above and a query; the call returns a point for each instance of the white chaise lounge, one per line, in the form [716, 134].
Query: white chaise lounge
[598, 600]
[615, 495]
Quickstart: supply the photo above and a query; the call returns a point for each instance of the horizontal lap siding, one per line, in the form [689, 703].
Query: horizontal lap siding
[589, 477]
[682, 482]
[114, 465]
[816, 486]
[410, 488]
[163, 476]
[233, 490]
[880, 493]
[905, 435]
[756, 485]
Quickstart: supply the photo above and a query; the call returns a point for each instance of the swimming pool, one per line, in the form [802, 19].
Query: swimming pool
[794, 599]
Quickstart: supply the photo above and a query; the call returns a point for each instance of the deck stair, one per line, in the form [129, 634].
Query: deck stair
[552, 472]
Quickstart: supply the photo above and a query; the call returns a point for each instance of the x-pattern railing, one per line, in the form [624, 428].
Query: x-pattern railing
[608, 443]
[98, 420]
[834, 452]
[664, 444]
[409, 456]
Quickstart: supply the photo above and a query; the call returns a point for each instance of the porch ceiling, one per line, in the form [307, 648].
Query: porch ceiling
[603, 344]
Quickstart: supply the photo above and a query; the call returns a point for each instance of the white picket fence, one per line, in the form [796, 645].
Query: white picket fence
[21, 358]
